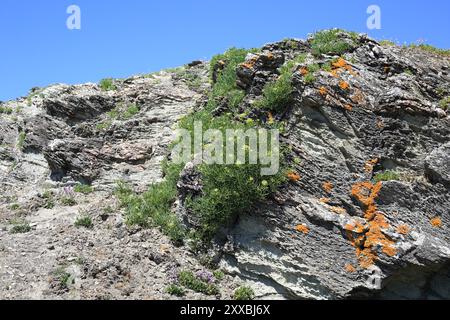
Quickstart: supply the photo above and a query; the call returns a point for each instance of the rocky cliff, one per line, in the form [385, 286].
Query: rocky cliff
[363, 213]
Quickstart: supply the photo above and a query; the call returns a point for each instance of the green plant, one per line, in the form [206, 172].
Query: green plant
[64, 278]
[330, 42]
[244, 293]
[83, 188]
[130, 111]
[68, 201]
[21, 140]
[154, 206]
[277, 95]
[14, 206]
[20, 228]
[175, 290]
[445, 103]
[387, 43]
[386, 176]
[6, 110]
[49, 202]
[225, 85]
[219, 275]
[84, 222]
[431, 49]
[190, 281]
[107, 84]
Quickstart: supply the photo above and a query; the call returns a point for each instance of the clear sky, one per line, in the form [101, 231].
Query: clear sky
[119, 38]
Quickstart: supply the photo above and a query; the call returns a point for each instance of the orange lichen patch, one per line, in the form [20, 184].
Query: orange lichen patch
[270, 56]
[250, 63]
[323, 91]
[340, 63]
[358, 97]
[349, 268]
[436, 222]
[344, 85]
[367, 242]
[327, 187]
[302, 228]
[293, 176]
[334, 73]
[324, 200]
[338, 210]
[380, 124]
[369, 165]
[304, 71]
[403, 229]
[348, 107]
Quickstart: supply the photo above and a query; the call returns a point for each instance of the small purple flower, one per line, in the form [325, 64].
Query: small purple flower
[68, 192]
[173, 276]
[206, 276]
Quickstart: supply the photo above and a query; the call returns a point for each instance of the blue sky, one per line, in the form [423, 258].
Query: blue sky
[121, 38]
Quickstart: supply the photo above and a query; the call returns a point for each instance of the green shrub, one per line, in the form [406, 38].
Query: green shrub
[175, 290]
[219, 275]
[244, 293]
[277, 95]
[387, 43]
[64, 278]
[130, 111]
[153, 208]
[6, 110]
[68, 201]
[386, 176]
[107, 84]
[445, 103]
[21, 140]
[84, 222]
[225, 85]
[20, 228]
[83, 188]
[431, 49]
[190, 281]
[329, 42]
[14, 206]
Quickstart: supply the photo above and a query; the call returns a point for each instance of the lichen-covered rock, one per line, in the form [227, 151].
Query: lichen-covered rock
[365, 216]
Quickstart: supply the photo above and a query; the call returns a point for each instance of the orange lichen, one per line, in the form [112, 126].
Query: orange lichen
[369, 165]
[323, 91]
[349, 268]
[302, 228]
[380, 124]
[344, 85]
[293, 176]
[338, 210]
[348, 107]
[327, 187]
[436, 222]
[324, 200]
[358, 97]
[250, 63]
[371, 236]
[304, 71]
[403, 229]
[340, 63]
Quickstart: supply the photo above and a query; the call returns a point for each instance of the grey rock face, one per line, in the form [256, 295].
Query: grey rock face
[333, 234]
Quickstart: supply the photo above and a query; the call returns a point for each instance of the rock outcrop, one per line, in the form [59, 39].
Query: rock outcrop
[334, 233]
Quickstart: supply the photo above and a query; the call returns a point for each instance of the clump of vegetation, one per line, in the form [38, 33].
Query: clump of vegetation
[64, 278]
[445, 103]
[107, 84]
[277, 95]
[192, 79]
[193, 282]
[84, 222]
[330, 42]
[244, 294]
[21, 140]
[83, 188]
[20, 228]
[225, 86]
[49, 202]
[219, 274]
[14, 206]
[387, 43]
[153, 208]
[431, 49]
[6, 110]
[175, 290]
[386, 176]
[121, 112]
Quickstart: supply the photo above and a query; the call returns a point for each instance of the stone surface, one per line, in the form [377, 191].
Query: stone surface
[388, 118]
